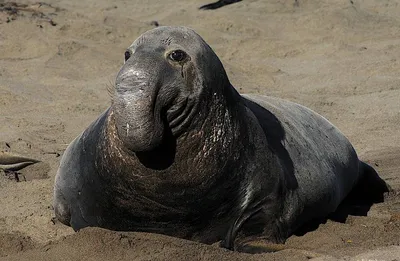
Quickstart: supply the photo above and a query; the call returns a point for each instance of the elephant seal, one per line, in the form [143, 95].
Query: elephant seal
[181, 152]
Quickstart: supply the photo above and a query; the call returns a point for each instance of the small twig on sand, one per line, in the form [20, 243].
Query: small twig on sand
[52, 152]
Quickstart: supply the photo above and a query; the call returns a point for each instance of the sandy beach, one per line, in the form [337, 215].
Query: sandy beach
[57, 59]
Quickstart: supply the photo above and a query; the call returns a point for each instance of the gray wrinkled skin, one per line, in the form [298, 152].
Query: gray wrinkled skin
[180, 152]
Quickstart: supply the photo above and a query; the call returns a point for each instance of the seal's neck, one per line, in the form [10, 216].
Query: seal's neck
[216, 110]
[215, 135]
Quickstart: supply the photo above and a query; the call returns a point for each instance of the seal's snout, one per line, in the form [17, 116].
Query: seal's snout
[139, 101]
[137, 119]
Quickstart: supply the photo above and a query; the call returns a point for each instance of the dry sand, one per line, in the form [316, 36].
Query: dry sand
[340, 58]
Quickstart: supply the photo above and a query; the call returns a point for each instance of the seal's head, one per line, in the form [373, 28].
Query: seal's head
[168, 74]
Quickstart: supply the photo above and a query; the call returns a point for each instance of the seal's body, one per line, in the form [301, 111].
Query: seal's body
[180, 152]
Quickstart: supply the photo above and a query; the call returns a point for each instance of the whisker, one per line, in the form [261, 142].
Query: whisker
[110, 89]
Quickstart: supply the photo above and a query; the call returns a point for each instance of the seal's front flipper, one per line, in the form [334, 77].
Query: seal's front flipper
[218, 4]
[61, 207]
[258, 246]
[14, 162]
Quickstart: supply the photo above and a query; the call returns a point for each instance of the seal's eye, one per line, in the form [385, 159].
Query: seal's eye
[177, 55]
[127, 55]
